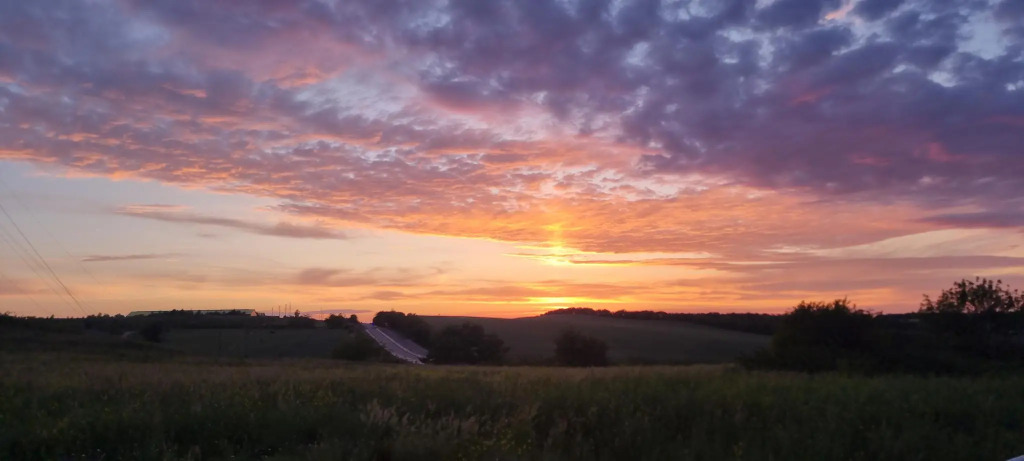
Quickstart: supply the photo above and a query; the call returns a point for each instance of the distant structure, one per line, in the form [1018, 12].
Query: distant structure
[243, 312]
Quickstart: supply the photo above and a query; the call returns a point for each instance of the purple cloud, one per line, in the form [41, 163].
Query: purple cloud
[876, 9]
[983, 219]
[129, 257]
[281, 229]
[270, 98]
[326, 277]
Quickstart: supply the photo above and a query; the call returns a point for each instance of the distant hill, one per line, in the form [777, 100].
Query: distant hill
[531, 340]
[763, 324]
[629, 341]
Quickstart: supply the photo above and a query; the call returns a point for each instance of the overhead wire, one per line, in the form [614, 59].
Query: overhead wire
[43, 260]
[26, 258]
[32, 215]
[29, 295]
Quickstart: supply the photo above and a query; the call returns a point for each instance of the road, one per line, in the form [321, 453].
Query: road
[396, 344]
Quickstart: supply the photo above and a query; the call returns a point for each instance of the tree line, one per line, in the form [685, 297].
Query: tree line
[973, 327]
[764, 324]
[469, 343]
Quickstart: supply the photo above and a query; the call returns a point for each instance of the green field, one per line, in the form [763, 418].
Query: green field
[255, 343]
[532, 339]
[74, 406]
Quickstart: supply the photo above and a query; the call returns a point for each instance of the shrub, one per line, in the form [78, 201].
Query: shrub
[982, 318]
[467, 343]
[982, 296]
[153, 332]
[411, 326]
[299, 321]
[575, 349]
[820, 336]
[357, 347]
[975, 327]
[336, 322]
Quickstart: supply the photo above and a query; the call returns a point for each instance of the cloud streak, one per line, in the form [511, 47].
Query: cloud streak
[128, 257]
[729, 127]
[634, 103]
[281, 229]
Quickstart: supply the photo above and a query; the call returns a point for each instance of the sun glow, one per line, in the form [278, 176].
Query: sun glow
[567, 300]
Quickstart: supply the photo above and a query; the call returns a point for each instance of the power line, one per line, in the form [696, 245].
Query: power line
[29, 295]
[32, 263]
[25, 257]
[32, 215]
[43, 260]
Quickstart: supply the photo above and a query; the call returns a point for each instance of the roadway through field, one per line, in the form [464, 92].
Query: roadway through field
[397, 345]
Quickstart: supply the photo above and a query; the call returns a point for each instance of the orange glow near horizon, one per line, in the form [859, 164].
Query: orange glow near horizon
[471, 276]
[354, 158]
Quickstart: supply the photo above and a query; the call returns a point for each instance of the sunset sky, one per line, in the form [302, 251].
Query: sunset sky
[502, 158]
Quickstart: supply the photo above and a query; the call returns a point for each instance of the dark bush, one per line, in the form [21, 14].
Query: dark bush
[153, 332]
[358, 347]
[467, 343]
[335, 322]
[982, 297]
[575, 349]
[299, 321]
[411, 326]
[974, 327]
[819, 336]
[982, 318]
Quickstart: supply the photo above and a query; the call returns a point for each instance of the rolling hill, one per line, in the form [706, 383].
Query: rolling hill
[256, 343]
[531, 339]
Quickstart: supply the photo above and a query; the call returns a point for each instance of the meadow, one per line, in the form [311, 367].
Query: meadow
[255, 343]
[531, 339]
[147, 405]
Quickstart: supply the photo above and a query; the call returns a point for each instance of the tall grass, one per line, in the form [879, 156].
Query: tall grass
[84, 407]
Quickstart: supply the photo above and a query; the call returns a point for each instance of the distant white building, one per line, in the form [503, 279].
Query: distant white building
[244, 312]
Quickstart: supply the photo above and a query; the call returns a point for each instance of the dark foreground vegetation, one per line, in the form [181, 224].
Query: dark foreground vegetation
[974, 327]
[144, 407]
[882, 387]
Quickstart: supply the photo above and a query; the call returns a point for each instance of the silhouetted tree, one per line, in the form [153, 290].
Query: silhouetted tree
[411, 326]
[299, 321]
[819, 336]
[467, 343]
[575, 349]
[50, 324]
[357, 347]
[981, 317]
[336, 322]
[981, 297]
[350, 323]
[749, 322]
